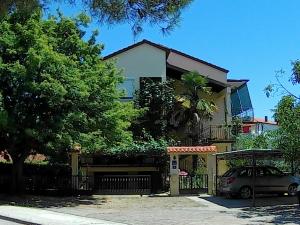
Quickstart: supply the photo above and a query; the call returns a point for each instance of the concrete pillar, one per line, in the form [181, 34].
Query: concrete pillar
[211, 171]
[174, 175]
[74, 163]
[228, 105]
[75, 168]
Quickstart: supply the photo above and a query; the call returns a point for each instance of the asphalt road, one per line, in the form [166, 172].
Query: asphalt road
[35, 216]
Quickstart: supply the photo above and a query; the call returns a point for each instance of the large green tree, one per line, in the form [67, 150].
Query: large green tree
[164, 14]
[56, 91]
[287, 113]
[157, 99]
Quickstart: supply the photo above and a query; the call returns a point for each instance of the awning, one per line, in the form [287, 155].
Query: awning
[250, 153]
[192, 149]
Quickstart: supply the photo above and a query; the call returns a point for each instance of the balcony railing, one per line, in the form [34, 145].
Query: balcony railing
[217, 133]
[211, 134]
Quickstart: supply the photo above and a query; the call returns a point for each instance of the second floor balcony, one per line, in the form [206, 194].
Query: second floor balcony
[210, 134]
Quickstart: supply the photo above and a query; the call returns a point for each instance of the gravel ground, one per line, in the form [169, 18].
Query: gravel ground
[137, 210]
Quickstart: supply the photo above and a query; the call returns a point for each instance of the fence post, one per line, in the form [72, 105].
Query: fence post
[74, 163]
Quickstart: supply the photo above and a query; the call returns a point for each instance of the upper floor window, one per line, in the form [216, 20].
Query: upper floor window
[128, 87]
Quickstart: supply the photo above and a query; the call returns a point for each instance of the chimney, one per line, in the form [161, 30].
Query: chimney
[266, 118]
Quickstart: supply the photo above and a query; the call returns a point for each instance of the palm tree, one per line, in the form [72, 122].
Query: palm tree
[193, 108]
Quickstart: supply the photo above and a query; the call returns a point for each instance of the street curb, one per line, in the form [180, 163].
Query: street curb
[17, 220]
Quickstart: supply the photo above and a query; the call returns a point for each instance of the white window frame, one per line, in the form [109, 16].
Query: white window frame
[126, 90]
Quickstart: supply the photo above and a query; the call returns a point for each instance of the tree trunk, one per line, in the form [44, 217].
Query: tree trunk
[17, 185]
[293, 167]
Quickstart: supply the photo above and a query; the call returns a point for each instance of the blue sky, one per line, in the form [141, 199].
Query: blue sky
[251, 38]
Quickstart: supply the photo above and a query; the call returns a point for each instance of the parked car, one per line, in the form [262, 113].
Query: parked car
[238, 181]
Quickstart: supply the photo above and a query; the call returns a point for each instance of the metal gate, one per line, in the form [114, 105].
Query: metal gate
[193, 184]
[123, 184]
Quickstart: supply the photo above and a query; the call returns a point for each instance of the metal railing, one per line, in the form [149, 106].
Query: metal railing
[108, 184]
[123, 184]
[217, 132]
[193, 183]
[210, 134]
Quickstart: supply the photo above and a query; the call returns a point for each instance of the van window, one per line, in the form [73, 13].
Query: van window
[229, 173]
[270, 171]
[243, 172]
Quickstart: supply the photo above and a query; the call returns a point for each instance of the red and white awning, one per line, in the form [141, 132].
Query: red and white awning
[192, 149]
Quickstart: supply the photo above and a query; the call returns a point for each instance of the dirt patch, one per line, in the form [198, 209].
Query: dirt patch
[113, 202]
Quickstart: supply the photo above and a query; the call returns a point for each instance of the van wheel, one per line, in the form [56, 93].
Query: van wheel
[245, 192]
[292, 190]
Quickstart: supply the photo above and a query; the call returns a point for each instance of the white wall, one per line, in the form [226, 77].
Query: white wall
[221, 100]
[148, 61]
[260, 128]
[142, 61]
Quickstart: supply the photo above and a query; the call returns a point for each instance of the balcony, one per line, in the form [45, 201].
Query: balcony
[218, 134]
[211, 134]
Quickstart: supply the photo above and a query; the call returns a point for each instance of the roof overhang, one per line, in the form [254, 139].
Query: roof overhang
[250, 154]
[192, 150]
[234, 83]
[216, 85]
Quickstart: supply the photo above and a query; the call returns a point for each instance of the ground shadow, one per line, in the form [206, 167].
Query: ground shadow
[281, 214]
[261, 200]
[277, 210]
[49, 202]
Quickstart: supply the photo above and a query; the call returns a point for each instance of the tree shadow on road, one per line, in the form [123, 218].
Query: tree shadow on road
[281, 214]
[261, 201]
[49, 202]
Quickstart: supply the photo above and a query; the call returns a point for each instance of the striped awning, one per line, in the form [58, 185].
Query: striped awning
[192, 149]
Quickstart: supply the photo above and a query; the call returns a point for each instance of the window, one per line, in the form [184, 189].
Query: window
[271, 171]
[229, 173]
[128, 88]
[243, 173]
[259, 172]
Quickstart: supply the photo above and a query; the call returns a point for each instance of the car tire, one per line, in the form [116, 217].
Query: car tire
[292, 190]
[245, 192]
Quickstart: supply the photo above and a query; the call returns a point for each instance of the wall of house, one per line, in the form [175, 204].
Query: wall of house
[192, 65]
[223, 113]
[260, 128]
[222, 101]
[222, 165]
[219, 115]
[142, 61]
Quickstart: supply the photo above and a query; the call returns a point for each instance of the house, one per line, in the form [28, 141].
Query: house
[148, 60]
[259, 126]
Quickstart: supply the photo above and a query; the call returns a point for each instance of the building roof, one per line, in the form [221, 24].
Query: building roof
[260, 120]
[250, 153]
[167, 50]
[238, 80]
[192, 149]
[236, 83]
